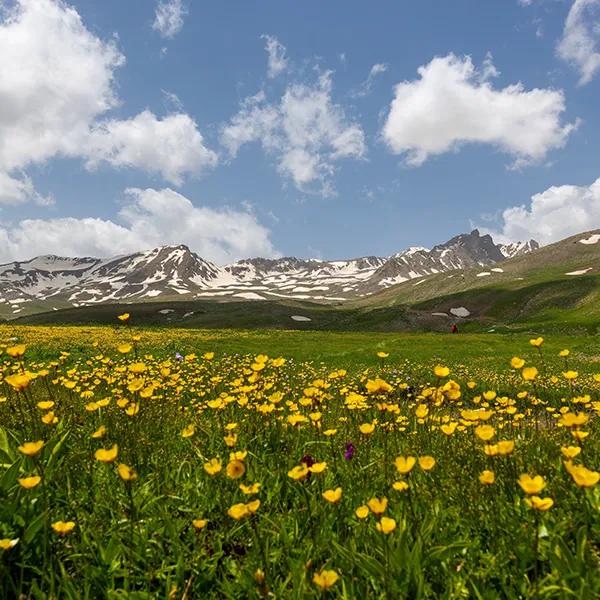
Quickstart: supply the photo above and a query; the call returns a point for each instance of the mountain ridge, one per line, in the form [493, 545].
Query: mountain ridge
[51, 282]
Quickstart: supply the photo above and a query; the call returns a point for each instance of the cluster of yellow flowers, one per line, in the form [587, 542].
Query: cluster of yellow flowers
[227, 406]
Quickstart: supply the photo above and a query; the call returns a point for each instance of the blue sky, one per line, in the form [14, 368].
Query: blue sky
[139, 123]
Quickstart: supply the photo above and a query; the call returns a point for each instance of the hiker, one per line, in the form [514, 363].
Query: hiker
[454, 328]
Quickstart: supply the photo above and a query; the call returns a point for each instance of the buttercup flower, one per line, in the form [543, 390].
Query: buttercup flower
[325, 579]
[400, 486]
[541, 504]
[126, 473]
[31, 448]
[440, 371]
[235, 469]
[386, 525]
[532, 485]
[213, 466]
[29, 482]
[63, 528]
[529, 373]
[107, 456]
[405, 464]
[583, 477]
[7, 543]
[426, 462]
[377, 505]
[333, 496]
[487, 477]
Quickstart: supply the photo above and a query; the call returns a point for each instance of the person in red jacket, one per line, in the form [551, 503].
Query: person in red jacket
[454, 328]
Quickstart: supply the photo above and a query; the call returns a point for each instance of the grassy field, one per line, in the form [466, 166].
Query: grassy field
[556, 306]
[336, 349]
[182, 463]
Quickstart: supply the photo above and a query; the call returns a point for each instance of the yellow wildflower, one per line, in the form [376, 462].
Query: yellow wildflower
[532, 485]
[378, 505]
[386, 525]
[325, 579]
[333, 496]
[405, 464]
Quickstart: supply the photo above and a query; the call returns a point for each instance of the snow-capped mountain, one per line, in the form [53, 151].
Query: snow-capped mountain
[52, 282]
[518, 248]
[461, 252]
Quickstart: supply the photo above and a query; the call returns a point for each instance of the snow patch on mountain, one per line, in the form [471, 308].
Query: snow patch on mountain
[593, 239]
[580, 272]
[518, 248]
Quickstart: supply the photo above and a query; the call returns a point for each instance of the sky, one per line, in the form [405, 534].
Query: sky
[282, 128]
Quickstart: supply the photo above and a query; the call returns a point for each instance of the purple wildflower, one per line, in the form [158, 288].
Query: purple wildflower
[350, 450]
[308, 460]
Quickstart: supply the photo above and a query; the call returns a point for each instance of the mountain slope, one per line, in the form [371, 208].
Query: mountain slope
[174, 272]
[559, 283]
[554, 289]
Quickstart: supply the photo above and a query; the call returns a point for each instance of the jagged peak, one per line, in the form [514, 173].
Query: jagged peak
[182, 247]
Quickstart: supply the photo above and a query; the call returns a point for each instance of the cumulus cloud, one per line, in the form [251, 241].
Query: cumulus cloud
[149, 218]
[453, 103]
[15, 190]
[56, 89]
[53, 85]
[168, 17]
[277, 60]
[552, 215]
[132, 143]
[305, 131]
[580, 42]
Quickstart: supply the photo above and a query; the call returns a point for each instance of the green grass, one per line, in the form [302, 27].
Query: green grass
[341, 349]
[453, 536]
[557, 306]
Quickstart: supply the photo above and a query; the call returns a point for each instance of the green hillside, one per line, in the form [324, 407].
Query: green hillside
[555, 288]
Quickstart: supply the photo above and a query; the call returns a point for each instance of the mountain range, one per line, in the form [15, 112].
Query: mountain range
[47, 283]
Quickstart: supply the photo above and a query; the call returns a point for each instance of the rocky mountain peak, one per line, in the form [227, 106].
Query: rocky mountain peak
[170, 271]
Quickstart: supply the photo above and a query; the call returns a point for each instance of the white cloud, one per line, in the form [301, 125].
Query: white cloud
[304, 130]
[168, 18]
[56, 79]
[17, 191]
[56, 86]
[452, 103]
[150, 218]
[365, 86]
[133, 143]
[277, 60]
[580, 43]
[556, 213]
